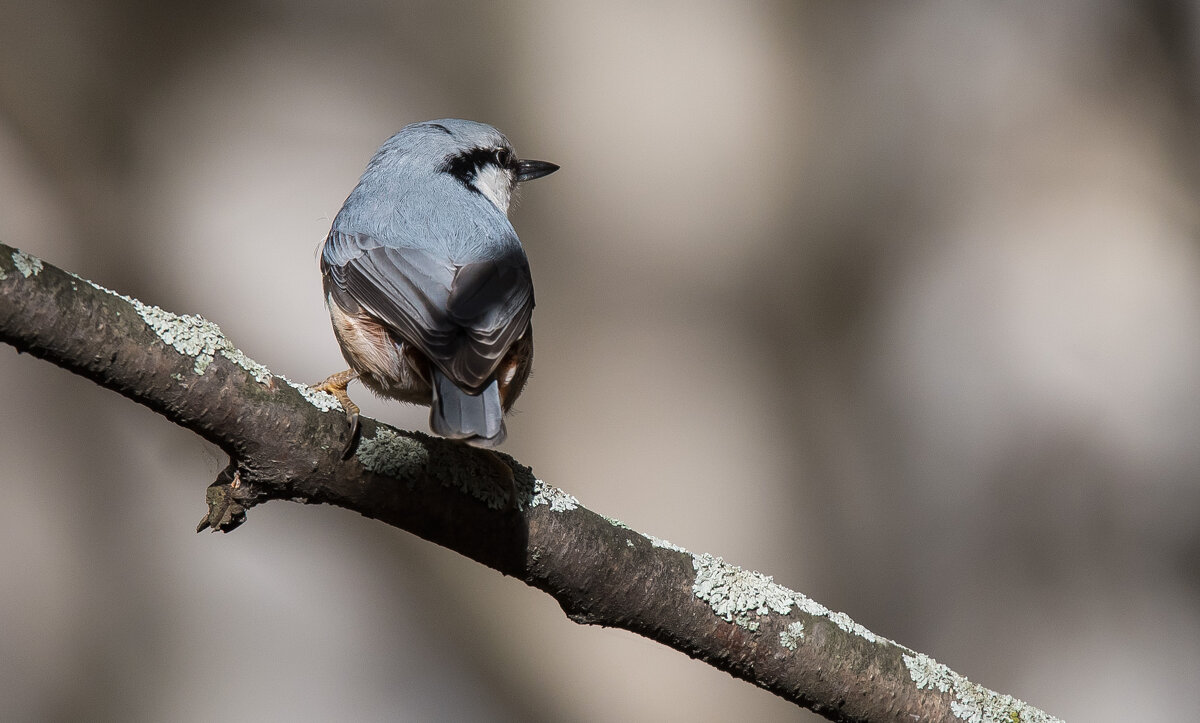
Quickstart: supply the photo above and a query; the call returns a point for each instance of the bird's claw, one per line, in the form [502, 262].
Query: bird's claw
[355, 432]
[336, 385]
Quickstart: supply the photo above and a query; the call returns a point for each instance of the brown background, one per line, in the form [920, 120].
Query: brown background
[899, 303]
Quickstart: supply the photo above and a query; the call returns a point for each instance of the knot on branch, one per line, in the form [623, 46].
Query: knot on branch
[226, 502]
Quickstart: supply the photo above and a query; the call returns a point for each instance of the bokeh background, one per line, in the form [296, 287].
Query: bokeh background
[898, 302]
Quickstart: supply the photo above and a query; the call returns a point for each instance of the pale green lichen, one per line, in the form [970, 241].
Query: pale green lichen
[747, 621]
[193, 336]
[407, 457]
[973, 703]
[666, 544]
[197, 337]
[389, 454]
[743, 596]
[929, 673]
[810, 606]
[790, 638]
[654, 541]
[843, 621]
[28, 265]
[559, 501]
[260, 372]
[616, 523]
[733, 592]
[324, 401]
[201, 339]
[476, 482]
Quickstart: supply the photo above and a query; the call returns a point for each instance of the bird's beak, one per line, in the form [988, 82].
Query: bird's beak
[529, 170]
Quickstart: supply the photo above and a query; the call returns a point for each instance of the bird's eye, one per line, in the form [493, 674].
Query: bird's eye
[503, 157]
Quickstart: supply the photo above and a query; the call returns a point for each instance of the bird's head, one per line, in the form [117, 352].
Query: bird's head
[476, 154]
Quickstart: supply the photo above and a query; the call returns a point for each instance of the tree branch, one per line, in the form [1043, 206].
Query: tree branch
[284, 442]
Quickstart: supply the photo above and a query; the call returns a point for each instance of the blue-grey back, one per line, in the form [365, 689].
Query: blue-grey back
[406, 198]
[424, 253]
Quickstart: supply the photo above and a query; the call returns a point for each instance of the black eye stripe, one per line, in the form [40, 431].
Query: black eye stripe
[465, 166]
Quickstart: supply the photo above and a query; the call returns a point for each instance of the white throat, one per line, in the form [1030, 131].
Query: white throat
[495, 183]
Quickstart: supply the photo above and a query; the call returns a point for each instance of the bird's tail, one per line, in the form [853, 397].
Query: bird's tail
[477, 419]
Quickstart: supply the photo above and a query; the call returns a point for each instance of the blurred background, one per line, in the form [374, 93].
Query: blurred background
[899, 303]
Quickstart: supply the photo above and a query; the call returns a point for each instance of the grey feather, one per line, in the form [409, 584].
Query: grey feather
[424, 246]
[477, 418]
[437, 262]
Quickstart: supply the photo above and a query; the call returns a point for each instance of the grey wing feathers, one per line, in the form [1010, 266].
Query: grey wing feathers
[492, 301]
[463, 318]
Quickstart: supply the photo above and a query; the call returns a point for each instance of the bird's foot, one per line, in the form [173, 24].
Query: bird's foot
[336, 385]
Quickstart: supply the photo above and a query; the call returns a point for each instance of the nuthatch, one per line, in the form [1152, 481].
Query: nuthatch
[426, 282]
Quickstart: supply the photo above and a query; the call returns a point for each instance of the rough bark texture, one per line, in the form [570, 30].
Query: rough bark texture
[285, 442]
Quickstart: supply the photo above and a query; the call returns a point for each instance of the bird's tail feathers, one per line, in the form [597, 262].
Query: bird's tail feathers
[477, 419]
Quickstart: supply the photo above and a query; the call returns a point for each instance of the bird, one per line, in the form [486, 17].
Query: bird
[427, 285]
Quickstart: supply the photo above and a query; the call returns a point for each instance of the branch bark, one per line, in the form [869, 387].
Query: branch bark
[284, 442]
